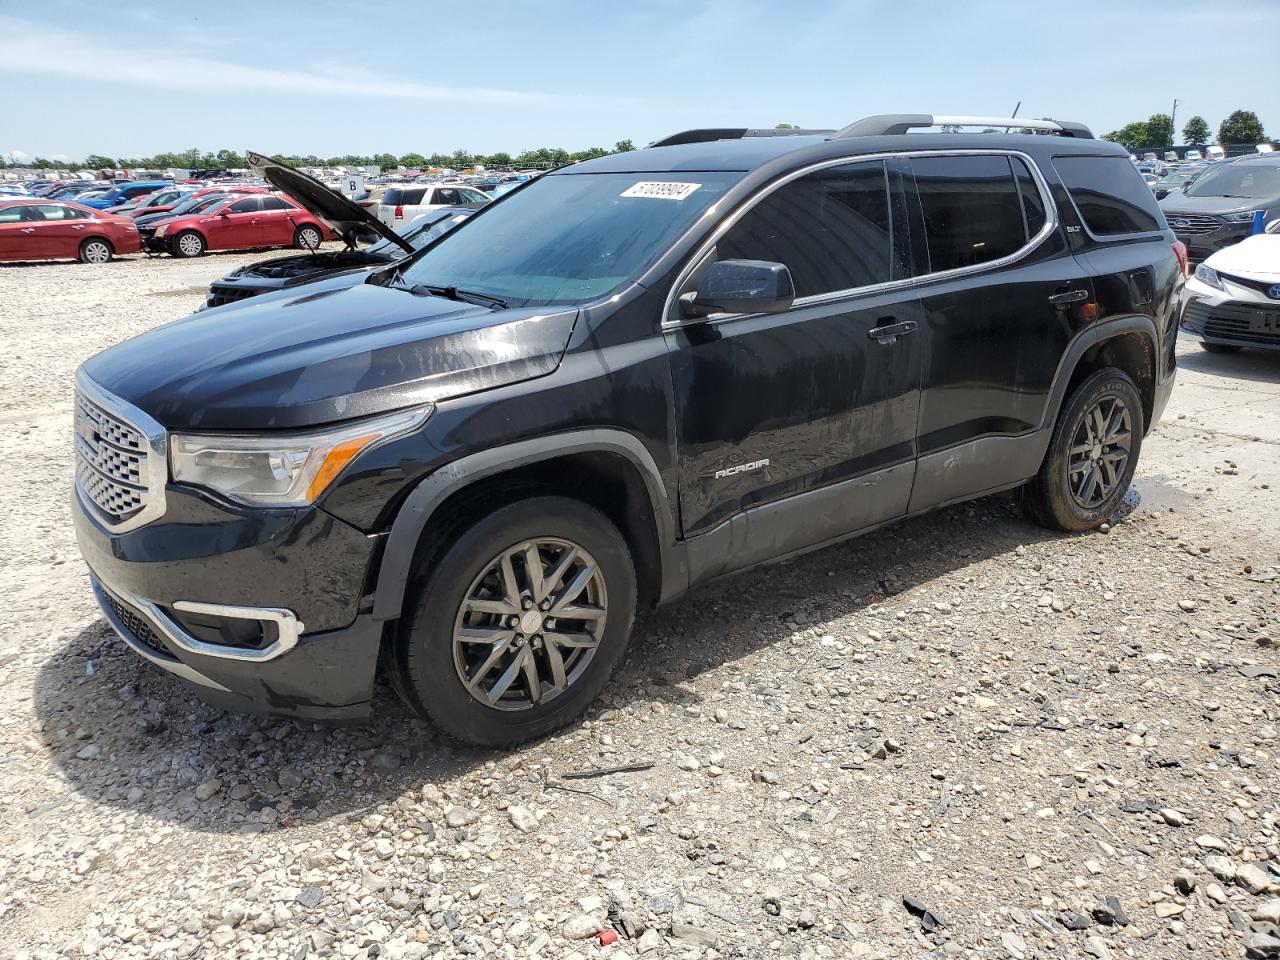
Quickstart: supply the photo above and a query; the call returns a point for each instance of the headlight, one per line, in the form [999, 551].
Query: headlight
[281, 469]
[160, 230]
[1245, 217]
[1206, 274]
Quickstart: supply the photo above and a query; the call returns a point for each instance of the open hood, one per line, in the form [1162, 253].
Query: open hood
[330, 206]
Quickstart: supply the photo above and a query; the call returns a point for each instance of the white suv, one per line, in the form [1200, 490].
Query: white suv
[402, 202]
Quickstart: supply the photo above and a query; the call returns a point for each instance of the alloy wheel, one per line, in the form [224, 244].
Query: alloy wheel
[95, 251]
[308, 238]
[1100, 452]
[530, 624]
[190, 245]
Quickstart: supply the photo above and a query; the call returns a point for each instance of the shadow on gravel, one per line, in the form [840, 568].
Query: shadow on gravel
[127, 734]
[1259, 365]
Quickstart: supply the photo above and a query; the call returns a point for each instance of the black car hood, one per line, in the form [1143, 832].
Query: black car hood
[302, 267]
[1176, 203]
[345, 216]
[320, 355]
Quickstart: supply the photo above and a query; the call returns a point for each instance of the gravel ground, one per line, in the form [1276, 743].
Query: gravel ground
[963, 736]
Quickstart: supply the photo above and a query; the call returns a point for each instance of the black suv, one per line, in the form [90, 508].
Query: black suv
[622, 379]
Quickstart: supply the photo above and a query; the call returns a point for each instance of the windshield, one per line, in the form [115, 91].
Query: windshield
[1248, 181]
[429, 229]
[570, 238]
[196, 204]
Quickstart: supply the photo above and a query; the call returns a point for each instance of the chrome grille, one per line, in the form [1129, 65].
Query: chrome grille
[1192, 225]
[112, 462]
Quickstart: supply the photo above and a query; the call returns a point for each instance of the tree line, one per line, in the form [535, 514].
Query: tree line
[194, 159]
[1242, 126]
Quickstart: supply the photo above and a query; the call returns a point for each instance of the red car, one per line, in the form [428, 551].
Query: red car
[245, 222]
[162, 201]
[58, 230]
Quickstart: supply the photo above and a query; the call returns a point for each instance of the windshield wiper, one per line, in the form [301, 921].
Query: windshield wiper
[453, 293]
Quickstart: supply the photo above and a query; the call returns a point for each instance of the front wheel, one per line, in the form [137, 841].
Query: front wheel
[519, 623]
[1219, 347]
[1092, 456]
[307, 238]
[187, 244]
[95, 250]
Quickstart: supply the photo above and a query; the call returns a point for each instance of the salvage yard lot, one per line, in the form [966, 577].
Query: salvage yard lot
[1052, 745]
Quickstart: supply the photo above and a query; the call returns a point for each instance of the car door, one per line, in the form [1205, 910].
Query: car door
[801, 425]
[276, 222]
[61, 231]
[236, 225]
[1002, 294]
[14, 239]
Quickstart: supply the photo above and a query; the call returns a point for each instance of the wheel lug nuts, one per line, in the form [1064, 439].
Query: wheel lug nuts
[550, 623]
[520, 640]
[544, 605]
[513, 621]
[526, 603]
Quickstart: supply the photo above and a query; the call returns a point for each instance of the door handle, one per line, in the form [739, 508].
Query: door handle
[1068, 298]
[890, 333]
[28, 229]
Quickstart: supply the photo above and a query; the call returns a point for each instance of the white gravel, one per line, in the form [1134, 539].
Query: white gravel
[1052, 746]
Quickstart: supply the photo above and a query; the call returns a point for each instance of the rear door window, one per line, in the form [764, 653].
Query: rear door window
[973, 211]
[832, 229]
[446, 195]
[1110, 194]
[247, 205]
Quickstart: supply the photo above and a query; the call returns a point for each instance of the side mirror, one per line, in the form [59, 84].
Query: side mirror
[740, 286]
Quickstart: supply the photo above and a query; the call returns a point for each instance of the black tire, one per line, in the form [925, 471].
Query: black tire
[187, 244]
[96, 250]
[1219, 347]
[1050, 498]
[307, 238]
[428, 674]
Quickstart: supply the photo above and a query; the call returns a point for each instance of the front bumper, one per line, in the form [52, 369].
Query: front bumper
[259, 610]
[1238, 317]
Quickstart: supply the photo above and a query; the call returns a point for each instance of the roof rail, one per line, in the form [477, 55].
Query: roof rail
[733, 133]
[892, 124]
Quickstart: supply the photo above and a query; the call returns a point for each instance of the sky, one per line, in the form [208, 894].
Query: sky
[334, 78]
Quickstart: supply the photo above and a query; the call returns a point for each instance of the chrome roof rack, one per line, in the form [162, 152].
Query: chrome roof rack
[733, 133]
[892, 124]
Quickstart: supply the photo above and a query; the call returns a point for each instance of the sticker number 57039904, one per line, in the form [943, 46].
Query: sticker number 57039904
[660, 190]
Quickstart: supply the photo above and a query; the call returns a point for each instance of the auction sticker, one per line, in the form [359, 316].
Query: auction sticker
[660, 190]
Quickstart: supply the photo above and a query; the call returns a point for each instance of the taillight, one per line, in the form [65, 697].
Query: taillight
[1180, 251]
[399, 212]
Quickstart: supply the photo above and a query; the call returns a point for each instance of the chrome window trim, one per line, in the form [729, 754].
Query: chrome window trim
[1046, 196]
[157, 459]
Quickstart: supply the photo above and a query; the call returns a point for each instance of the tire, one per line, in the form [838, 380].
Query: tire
[1054, 498]
[96, 250]
[187, 244]
[1219, 347]
[432, 663]
[307, 238]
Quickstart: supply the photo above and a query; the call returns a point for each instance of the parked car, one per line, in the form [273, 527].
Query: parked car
[1233, 299]
[1193, 155]
[1218, 208]
[401, 203]
[39, 229]
[123, 192]
[280, 273]
[1175, 179]
[634, 375]
[161, 201]
[149, 223]
[241, 222]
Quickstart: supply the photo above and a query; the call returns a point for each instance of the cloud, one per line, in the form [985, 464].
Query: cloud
[32, 48]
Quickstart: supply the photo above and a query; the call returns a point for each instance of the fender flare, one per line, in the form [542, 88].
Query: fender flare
[1084, 341]
[426, 497]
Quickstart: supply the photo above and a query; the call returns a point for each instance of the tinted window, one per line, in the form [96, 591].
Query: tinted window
[274, 203]
[1032, 202]
[1110, 194]
[972, 210]
[831, 229]
[473, 196]
[398, 196]
[11, 214]
[446, 195]
[247, 205]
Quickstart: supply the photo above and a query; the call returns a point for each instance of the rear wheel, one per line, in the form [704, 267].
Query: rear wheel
[95, 250]
[187, 244]
[1092, 456]
[520, 623]
[1219, 347]
[307, 238]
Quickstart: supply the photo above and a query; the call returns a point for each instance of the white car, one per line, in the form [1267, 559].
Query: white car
[1193, 155]
[400, 203]
[1233, 299]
